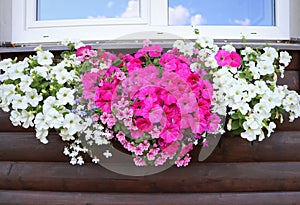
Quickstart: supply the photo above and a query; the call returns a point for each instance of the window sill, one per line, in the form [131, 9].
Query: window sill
[127, 46]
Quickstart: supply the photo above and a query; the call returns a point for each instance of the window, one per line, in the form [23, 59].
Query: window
[95, 20]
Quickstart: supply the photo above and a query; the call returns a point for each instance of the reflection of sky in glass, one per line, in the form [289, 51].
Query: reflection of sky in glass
[76, 9]
[181, 12]
[222, 12]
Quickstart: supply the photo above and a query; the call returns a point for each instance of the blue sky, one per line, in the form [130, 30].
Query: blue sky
[181, 12]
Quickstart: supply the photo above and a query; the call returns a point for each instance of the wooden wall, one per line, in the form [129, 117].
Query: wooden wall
[238, 172]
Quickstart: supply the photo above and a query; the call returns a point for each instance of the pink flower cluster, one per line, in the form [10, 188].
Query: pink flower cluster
[152, 100]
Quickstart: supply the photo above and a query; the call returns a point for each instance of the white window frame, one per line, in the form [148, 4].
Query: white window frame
[153, 24]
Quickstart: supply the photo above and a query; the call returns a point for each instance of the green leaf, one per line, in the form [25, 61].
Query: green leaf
[117, 63]
[235, 116]
[235, 124]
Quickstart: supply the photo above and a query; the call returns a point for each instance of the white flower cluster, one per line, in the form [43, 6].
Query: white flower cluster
[252, 98]
[40, 94]
[248, 95]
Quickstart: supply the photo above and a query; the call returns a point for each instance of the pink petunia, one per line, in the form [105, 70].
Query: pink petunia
[143, 124]
[83, 50]
[223, 58]
[170, 133]
[155, 50]
[214, 121]
[236, 59]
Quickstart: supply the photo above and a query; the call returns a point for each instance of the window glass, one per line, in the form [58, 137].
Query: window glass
[222, 12]
[91, 9]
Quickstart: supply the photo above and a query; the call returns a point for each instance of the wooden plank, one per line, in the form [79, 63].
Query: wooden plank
[8, 197]
[198, 177]
[6, 125]
[291, 79]
[295, 62]
[23, 146]
[281, 146]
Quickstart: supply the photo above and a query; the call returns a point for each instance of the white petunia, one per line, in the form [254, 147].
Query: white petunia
[271, 128]
[26, 118]
[15, 118]
[19, 102]
[72, 123]
[41, 135]
[42, 71]
[229, 48]
[285, 58]
[40, 122]
[243, 107]
[16, 71]
[75, 61]
[25, 83]
[63, 77]
[65, 96]
[54, 118]
[262, 109]
[65, 135]
[179, 44]
[269, 54]
[271, 99]
[44, 57]
[4, 105]
[265, 67]
[261, 87]
[7, 91]
[250, 134]
[254, 70]
[188, 49]
[33, 97]
[245, 52]
[205, 41]
[49, 103]
[211, 62]
[56, 70]
[5, 63]
[4, 76]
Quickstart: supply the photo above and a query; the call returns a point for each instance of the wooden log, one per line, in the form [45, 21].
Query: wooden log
[9, 197]
[281, 146]
[205, 177]
[291, 79]
[295, 62]
[24, 146]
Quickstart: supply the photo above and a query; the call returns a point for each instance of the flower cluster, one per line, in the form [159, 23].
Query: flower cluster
[40, 93]
[155, 105]
[245, 86]
[151, 102]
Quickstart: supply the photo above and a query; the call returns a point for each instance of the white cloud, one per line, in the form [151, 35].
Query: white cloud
[132, 9]
[110, 4]
[96, 17]
[197, 20]
[245, 22]
[178, 15]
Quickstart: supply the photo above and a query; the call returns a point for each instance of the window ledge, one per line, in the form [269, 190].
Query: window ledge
[127, 46]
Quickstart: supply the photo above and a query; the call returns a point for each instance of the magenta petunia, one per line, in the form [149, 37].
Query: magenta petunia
[223, 58]
[143, 124]
[236, 59]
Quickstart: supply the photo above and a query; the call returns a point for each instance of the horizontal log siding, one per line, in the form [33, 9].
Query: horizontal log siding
[237, 172]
